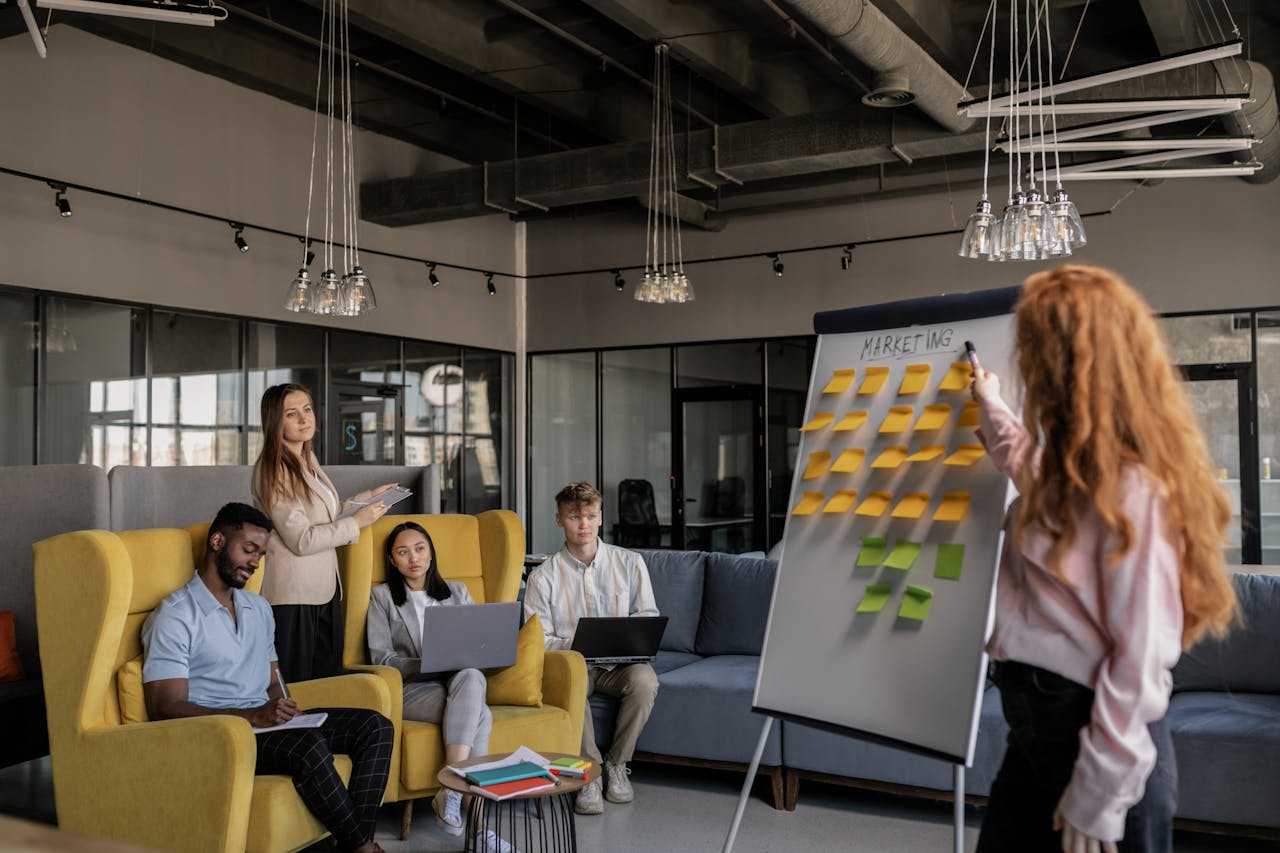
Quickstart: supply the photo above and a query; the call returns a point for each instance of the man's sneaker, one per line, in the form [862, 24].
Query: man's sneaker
[491, 842]
[448, 808]
[589, 801]
[617, 787]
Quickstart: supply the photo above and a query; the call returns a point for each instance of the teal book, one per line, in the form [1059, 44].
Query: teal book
[523, 770]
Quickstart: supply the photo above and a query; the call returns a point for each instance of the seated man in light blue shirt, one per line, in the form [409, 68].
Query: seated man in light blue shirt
[210, 649]
[588, 577]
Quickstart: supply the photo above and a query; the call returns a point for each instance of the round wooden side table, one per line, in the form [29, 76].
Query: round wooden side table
[522, 821]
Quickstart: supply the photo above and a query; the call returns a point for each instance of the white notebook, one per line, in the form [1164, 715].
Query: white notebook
[390, 497]
[302, 721]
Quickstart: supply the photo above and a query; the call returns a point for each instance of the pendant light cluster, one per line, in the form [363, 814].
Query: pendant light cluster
[664, 279]
[350, 295]
[1034, 225]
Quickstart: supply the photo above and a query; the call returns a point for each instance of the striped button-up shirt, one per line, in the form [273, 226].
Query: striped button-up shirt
[562, 590]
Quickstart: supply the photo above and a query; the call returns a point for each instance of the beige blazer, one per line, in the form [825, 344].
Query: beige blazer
[302, 565]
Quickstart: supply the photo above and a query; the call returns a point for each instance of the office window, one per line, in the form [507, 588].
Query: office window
[356, 357]
[718, 364]
[19, 334]
[562, 436]
[277, 354]
[789, 364]
[96, 387]
[636, 446]
[1208, 338]
[197, 387]
[1269, 433]
[486, 453]
[433, 400]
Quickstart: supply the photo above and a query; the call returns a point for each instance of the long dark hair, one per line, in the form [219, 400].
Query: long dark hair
[278, 472]
[435, 586]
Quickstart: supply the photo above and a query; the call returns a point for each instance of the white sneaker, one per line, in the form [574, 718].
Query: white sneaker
[589, 801]
[448, 808]
[617, 787]
[491, 842]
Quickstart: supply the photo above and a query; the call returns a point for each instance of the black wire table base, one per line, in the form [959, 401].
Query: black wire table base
[518, 822]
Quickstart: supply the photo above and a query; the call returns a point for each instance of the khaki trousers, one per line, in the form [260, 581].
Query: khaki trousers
[636, 685]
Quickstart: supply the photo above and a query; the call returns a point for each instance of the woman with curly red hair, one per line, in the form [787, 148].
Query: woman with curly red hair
[1112, 564]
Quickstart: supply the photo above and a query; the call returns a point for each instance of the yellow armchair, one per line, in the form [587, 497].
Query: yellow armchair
[179, 785]
[486, 552]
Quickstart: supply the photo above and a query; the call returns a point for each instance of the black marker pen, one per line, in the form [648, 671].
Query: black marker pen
[973, 355]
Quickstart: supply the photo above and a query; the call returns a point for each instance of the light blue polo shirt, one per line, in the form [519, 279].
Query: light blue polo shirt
[227, 664]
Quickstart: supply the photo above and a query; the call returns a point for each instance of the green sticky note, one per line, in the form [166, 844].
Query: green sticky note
[874, 598]
[950, 562]
[915, 603]
[903, 555]
[872, 552]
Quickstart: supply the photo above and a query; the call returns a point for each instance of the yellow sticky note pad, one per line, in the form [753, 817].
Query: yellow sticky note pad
[817, 466]
[927, 453]
[849, 461]
[874, 505]
[873, 380]
[841, 379]
[850, 422]
[820, 420]
[912, 505]
[810, 502]
[934, 418]
[898, 419]
[966, 454]
[958, 377]
[916, 378]
[890, 457]
[842, 501]
[953, 507]
[969, 414]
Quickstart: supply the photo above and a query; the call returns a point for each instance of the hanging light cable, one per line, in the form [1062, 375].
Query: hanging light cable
[664, 279]
[976, 242]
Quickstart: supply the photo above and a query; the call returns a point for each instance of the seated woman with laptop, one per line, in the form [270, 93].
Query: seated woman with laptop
[394, 630]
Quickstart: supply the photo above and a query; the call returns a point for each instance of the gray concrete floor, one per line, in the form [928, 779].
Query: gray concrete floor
[689, 810]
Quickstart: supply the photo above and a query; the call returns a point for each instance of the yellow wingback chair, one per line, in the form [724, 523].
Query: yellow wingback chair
[179, 785]
[486, 552]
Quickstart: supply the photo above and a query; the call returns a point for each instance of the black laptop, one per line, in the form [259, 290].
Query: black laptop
[618, 639]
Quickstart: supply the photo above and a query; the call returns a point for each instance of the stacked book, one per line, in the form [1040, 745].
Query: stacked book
[570, 767]
[512, 780]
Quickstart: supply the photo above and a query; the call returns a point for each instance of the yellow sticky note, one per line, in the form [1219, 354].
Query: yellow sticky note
[874, 504]
[890, 457]
[849, 461]
[966, 454]
[841, 379]
[912, 505]
[934, 418]
[969, 414]
[849, 422]
[810, 502]
[958, 377]
[898, 419]
[841, 501]
[926, 453]
[873, 380]
[953, 507]
[817, 464]
[916, 378]
[820, 420]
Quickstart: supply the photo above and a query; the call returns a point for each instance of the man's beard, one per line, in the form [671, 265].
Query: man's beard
[227, 571]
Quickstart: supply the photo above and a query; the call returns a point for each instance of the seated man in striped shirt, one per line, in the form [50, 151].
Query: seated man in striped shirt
[588, 577]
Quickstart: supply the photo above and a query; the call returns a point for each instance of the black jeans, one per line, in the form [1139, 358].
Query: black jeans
[1045, 713]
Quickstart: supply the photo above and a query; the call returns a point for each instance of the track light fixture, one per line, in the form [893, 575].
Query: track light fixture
[777, 263]
[60, 199]
[311, 256]
[431, 274]
[489, 279]
[846, 260]
[240, 241]
[618, 281]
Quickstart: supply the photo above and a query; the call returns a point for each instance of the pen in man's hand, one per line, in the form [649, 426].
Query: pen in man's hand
[284, 691]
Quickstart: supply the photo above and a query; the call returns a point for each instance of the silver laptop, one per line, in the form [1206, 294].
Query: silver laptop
[618, 639]
[467, 636]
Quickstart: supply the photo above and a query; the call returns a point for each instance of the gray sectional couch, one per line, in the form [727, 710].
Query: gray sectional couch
[1224, 715]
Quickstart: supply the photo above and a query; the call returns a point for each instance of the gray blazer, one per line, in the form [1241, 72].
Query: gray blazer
[393, 638]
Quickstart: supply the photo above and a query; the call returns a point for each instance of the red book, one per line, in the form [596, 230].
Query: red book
[514, 788]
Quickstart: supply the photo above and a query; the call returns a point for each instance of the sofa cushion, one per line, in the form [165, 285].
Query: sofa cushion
[1245, 661]
[1228, 751]
[133, 705]
[735, 605]
[667, 661]
[677, 578]
[521, 683]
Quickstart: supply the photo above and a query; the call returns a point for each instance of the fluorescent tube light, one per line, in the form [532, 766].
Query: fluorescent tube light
[1218, 144]
[1229, 103]
[1104, 127]
[33, 28]
[1235, 169]
[200, 14]
[1140, 159]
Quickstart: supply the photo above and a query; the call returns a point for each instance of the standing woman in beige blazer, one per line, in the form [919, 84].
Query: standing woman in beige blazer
[301, 577]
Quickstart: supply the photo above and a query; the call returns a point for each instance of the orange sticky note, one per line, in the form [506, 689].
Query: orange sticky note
[841, 379]
[912, 505]
[849, 461]
[969, 414]
[874, 504]
[953, 507]
[817, 464]
[926, 453]
[841, 501]
[873, 380]
[849, 422]
[934, 418]
[898, 419]
[890, 457]
[958, 377]
[810, 502]
[917, 376]
[820, 420]
[966, 454]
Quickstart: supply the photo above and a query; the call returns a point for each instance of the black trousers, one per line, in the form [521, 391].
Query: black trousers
[309, 639]
[1045, 713]
[348, 812]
